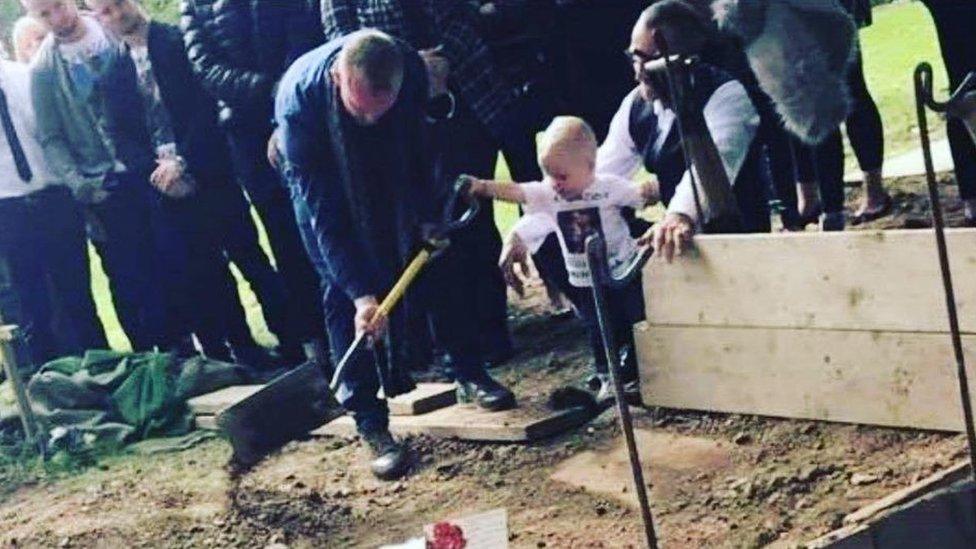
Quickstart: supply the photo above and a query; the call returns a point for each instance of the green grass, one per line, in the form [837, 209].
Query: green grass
[901, 36]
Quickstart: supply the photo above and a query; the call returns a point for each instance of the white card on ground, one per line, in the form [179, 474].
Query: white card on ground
[487, 530]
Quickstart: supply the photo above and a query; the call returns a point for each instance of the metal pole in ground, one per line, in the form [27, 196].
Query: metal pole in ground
[923, 97]
[11, 355]
[596, 256]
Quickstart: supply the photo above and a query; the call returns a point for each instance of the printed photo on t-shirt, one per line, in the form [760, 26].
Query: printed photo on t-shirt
[578, 225]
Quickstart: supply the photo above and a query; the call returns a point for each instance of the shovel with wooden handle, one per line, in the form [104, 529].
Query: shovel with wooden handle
[297, 402]
[715, 201]
[596, 259]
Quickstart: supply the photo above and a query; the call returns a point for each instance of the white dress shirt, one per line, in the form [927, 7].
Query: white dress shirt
[731, 119]
[15, 81]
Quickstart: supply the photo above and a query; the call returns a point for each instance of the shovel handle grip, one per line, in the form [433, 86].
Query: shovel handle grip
[415, 267]
[396, 293]
[406, 279]
[633, 268]
[461, 187]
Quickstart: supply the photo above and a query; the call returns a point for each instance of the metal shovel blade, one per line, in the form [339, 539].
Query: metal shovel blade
[286, 409]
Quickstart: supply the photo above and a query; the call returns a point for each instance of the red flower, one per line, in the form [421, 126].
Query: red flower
[447, 536]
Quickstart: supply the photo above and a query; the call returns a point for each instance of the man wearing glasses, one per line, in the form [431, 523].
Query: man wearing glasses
[644, 132]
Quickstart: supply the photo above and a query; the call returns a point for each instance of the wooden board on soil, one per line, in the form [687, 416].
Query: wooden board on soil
[460, 421]
[425, 398]
[855, 280]
[878, 378]
[467, 422]
[670, 462]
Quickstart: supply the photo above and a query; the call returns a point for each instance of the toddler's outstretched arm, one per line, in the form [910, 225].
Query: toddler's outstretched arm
[504, 191]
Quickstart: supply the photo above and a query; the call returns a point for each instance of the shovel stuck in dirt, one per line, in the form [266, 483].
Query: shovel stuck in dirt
[295, 403]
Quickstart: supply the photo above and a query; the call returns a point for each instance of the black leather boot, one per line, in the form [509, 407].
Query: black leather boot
[390, 459]
[486, 393]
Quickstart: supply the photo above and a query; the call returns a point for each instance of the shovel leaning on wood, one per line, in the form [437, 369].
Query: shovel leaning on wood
[297, 402]
[961, 105]
[596, 260]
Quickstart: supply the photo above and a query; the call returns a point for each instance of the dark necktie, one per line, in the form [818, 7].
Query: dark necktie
[23, 167]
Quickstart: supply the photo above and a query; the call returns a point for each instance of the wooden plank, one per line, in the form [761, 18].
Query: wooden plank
[845, 537]
[459, 421]
[213, 403]
[427, 397]
[13, 354]
[929, 484]
[207, 423]
[670, 462]
[857, 280]
[859, 529]
[879, 378]
[467, 422]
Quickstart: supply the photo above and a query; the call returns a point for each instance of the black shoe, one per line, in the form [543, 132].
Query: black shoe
[487, 394]
[254, 357]
[602, 386]
[184, 349]
[867, 217]
[390, 458]
[220, 353]
[832, 222]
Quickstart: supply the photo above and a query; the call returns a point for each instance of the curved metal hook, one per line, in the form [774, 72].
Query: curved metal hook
[924, 81]
[923, 85]
[596, 251]
[633, 269]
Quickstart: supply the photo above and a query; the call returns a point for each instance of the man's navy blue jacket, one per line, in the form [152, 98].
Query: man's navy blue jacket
[368, 188]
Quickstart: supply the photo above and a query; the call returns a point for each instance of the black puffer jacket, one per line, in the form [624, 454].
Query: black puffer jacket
[240, 48]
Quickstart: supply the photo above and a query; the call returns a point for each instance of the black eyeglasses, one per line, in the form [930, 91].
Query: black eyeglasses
[635, 56]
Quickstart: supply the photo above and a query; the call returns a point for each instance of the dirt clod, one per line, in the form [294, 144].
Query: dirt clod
[742, 438]
[863, 479]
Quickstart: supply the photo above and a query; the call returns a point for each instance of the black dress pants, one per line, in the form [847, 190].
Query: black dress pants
[954, 22]
[300, 318]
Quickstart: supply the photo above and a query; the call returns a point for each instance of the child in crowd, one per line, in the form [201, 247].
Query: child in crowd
[575, 202]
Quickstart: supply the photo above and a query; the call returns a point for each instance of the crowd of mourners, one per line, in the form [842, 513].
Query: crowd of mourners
[343, 124]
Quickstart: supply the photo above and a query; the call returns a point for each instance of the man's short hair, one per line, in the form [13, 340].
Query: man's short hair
[685, 27]
[377, 57]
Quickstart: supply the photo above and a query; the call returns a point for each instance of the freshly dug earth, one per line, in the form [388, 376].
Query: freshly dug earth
[718, 480]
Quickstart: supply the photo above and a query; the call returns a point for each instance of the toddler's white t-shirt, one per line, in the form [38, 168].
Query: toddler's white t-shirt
[596, 211]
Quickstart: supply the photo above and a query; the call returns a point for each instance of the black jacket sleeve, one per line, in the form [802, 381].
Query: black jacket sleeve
[193, 112]
[226, 81]
[125, 114]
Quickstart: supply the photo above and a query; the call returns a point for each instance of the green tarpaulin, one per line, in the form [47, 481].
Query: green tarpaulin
[109, 399]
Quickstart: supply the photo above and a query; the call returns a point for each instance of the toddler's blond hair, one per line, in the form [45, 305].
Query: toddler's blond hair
[568, 134]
